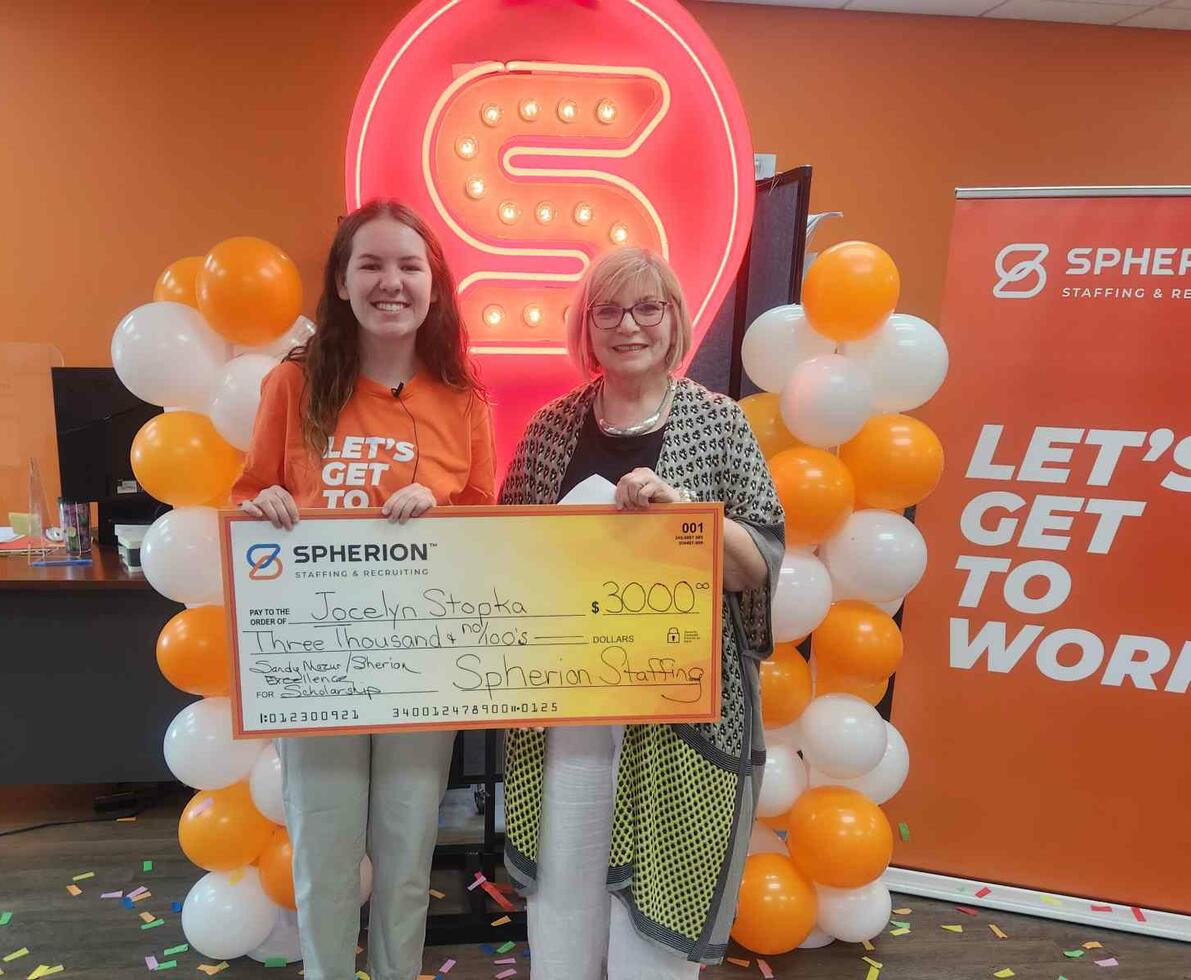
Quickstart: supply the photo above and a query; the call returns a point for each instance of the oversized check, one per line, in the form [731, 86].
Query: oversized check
[473, 617]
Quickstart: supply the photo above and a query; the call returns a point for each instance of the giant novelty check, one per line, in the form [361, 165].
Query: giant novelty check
[474, 617]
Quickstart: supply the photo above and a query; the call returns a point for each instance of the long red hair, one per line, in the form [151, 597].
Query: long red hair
[331, 358]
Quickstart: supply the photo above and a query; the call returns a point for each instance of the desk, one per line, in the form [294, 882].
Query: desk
[81, 698]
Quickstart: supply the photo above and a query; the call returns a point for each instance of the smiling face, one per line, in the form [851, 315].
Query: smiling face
[630, 350]
[388, 280]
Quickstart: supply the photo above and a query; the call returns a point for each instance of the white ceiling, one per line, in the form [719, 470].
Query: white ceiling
[1172, 15]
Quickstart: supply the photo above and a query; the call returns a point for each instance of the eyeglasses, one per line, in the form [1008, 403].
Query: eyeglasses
[608, 316]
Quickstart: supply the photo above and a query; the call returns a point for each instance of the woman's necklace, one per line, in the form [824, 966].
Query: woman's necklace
[638, 428]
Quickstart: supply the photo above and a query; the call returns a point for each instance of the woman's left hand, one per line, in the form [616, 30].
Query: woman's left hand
[411, 501]
[642, 487]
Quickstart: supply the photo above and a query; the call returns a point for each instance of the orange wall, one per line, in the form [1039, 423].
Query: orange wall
[138, 132]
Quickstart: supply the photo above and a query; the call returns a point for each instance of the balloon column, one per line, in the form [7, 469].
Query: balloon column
[178, 352]
[837, 373]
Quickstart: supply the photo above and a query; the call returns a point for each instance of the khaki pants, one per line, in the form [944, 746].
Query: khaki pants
[347, 792]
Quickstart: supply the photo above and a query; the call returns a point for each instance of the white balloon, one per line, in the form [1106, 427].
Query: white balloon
[782, 782]
[165, 354]
[285, 941]
[224, 918]
[302, 330]
[802, 598]
[788, 735]
[236, 395]
[265, 784]
[365, 879]
[777, 342]
[764, 840]
[180, 556]
[200, 750]
[877, 555]
[842, 735]
[854, 915]
[905, 359]
[881, 783]
[891, 607]
[817, 939]
[826, 401]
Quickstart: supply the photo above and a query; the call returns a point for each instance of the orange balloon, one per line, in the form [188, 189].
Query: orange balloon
[839, 837]
[895, 460]
[176, 283]
[192, 651]
[249, 290]
[850, 290]
[276, 865]
[777, 906]
[816, 492]
[785, 686]
[765, 419]
[225, 834]
[870, 691]
[780, 822]
[179, 458]
[856, 639]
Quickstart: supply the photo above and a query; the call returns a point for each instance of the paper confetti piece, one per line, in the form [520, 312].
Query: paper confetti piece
[359, 949]
[1092, 944]
[899, 932]
[984, 891]
[505, 947]
[148, 917]
[480, 879]
[112, 895]
[126, 902]
[136, 891]
[125, 819]
[175, 950]
[1004, 974]
[361, 975]
[504, 920]
[997, 932]
[151, 962]
[766, 970]
[167, 965]
[506, 973]
[75, 890]
[965, 910]
[154, 924]
[871, 962]
[899, 925]
[506, 961]
[873, 973]
[146, 865]
[175, 906]
[1051, 901]
[735, 962]
[867, 945]
[1111, 961]
[498, 897]
[23, 951]
[903, 831]
[446, 967]
[437, 894]
[276, 962]
[953, 928]
[46, 971]
[5, 918]
[1073, 954]
[902, 911]
[210, 969]
[141, 897]
[1101, 908]
[1138, 914]
[84, 876]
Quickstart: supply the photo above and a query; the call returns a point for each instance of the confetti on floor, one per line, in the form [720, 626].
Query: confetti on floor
[276, 962]
[136, 891]
[167, 965]
[765, 968]
[84, 876]
[965, 910]
[872, 974]
[146, 865]
[16, 955]
[125, 819]
[996, 931]
[953, 928]
[899, 932]
[5, 918]
[1111, 961]
[903, 831]
[1073, 954]
[446, 967]
[868, 946]
[175, 950]
[112, 895]
[74, 890]
[902, 911]
[742, 963]
[506, 973]
[141, 897]
[210, 969]
[1092, 944]
[147, 917]
[504, 920]
[46, 971]
[1004, 974]
[175, 906]
[871, 962]
[437, 894]
[480, 879]
[505, 947]
[507, 961]
[150, 962]
[899, 925]
[361, 975]
[153, 925]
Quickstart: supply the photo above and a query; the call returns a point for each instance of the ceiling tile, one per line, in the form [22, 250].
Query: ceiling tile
[1171, 18]
[952, 8]
[1064, 10]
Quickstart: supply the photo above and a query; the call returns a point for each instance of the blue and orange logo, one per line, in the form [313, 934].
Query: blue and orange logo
[265, 562]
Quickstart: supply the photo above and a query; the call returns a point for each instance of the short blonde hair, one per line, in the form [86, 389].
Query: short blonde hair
[636, 269]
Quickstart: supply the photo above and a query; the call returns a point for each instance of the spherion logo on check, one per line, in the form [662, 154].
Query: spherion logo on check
[1027, 276]
[264, 560]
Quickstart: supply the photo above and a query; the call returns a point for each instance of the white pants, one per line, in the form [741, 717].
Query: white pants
[576, 927]
[341, 793]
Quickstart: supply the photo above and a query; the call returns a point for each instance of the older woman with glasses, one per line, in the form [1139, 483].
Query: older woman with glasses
[657, 816]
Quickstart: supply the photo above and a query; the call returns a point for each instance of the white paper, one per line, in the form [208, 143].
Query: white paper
[594, 490]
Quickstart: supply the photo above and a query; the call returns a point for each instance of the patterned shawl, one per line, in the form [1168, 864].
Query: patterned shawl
[685, 794]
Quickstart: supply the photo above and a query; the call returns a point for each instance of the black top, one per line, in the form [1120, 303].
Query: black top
[609, 456]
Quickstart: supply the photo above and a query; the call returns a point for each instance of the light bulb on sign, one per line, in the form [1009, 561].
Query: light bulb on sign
[529, 109]
[494, 315]
[509, 212]
[606, 111]
[491, 114]
[533, 315]
[584, 213]
[618, 233]
[475, 188]
[568, 110]
[466, 147]
[544, 212]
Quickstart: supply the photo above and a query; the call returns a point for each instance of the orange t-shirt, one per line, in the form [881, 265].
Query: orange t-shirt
[432, 435]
